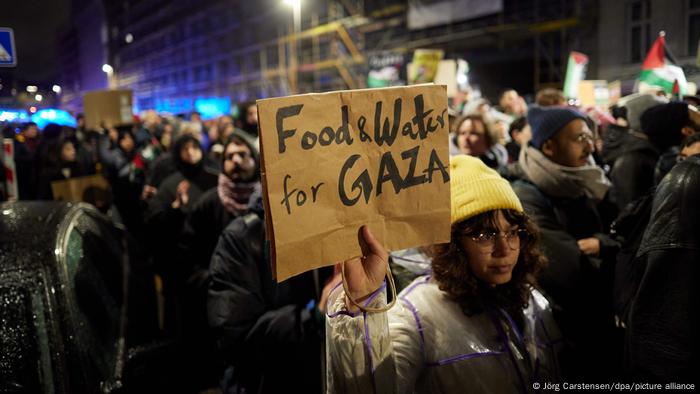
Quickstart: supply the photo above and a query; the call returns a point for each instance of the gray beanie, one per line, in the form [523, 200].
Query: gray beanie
[637, 104]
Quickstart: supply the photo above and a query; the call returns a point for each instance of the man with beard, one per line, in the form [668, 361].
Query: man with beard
[204, 223]
[562, 190]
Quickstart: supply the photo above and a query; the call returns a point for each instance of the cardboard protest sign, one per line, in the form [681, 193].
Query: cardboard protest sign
[108, 107]
[594, 93]
[73, 189]
[425, 64]
[335, 161]
[445, 74]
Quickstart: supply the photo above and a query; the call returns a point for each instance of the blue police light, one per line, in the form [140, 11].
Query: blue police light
[45, 116]
[173, 106]
[11, 115]
[213, 107]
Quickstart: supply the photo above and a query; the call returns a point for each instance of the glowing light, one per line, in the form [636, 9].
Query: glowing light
[213, 107]
[10, 115]
[32, 109]
[56, 89]
[107, 68]
[38, 97]
[50, 115]
[129, 38]
[32, 89]
[293, 3]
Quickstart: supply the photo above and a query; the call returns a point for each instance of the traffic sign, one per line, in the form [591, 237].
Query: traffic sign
[8, 54]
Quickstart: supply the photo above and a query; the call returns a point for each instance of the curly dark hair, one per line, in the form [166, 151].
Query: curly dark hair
[451, 269]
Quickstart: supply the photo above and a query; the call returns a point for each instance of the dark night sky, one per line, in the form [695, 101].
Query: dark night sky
[36, 24]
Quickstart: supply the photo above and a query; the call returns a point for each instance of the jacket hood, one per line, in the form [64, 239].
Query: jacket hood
[186, 169]
[617, 141]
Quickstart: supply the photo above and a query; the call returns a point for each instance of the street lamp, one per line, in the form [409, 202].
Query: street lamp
[110, 74]
[56, 89]
[296, 11]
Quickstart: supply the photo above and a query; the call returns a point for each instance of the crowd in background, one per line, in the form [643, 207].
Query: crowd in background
[604, 187]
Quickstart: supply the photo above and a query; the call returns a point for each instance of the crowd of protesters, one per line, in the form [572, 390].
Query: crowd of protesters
[573, 251]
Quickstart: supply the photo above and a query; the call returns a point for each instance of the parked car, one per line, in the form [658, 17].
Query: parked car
[77, 305]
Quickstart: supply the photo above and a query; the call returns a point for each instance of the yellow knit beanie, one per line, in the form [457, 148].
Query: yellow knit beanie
[476, 188]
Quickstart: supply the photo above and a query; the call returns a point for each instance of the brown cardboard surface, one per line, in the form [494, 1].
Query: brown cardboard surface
[73, 189]
[318, 194]
[107, 108]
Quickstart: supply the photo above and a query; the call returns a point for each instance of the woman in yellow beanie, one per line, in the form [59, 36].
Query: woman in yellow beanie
[476, 325]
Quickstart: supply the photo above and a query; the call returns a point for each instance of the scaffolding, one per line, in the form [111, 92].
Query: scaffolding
[334, 55]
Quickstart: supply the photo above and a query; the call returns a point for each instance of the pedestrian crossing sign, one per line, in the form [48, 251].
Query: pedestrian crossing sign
[8, 56]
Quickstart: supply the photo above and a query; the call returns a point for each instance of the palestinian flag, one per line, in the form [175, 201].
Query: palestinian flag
[659, 71]
[575, 72]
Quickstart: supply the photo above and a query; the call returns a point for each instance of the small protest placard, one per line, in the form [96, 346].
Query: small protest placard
[105, 108]
[74, 189]
[425, 65]
[335, 161]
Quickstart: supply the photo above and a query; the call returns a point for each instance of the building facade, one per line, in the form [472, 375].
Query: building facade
[627, 29]
[174, 53]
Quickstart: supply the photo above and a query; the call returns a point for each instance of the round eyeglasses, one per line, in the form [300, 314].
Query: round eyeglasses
[486, 239]
[585, 138]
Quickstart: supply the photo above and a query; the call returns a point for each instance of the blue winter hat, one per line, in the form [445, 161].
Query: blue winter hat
[547, 121]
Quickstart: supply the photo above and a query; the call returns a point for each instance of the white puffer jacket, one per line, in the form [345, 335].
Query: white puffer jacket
[426, 344]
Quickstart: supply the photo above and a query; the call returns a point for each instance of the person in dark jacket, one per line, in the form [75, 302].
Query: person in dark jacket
[25, 147]
[166, 163]
[269, 333]
[520, 134]
[666, 126]
[216, 208]
[165, 219]
[177, 195]
[249, 118]
[125, 173]
[630, 154]
[662, 336]
[65, 166]
[210, 215]
[561, 190]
